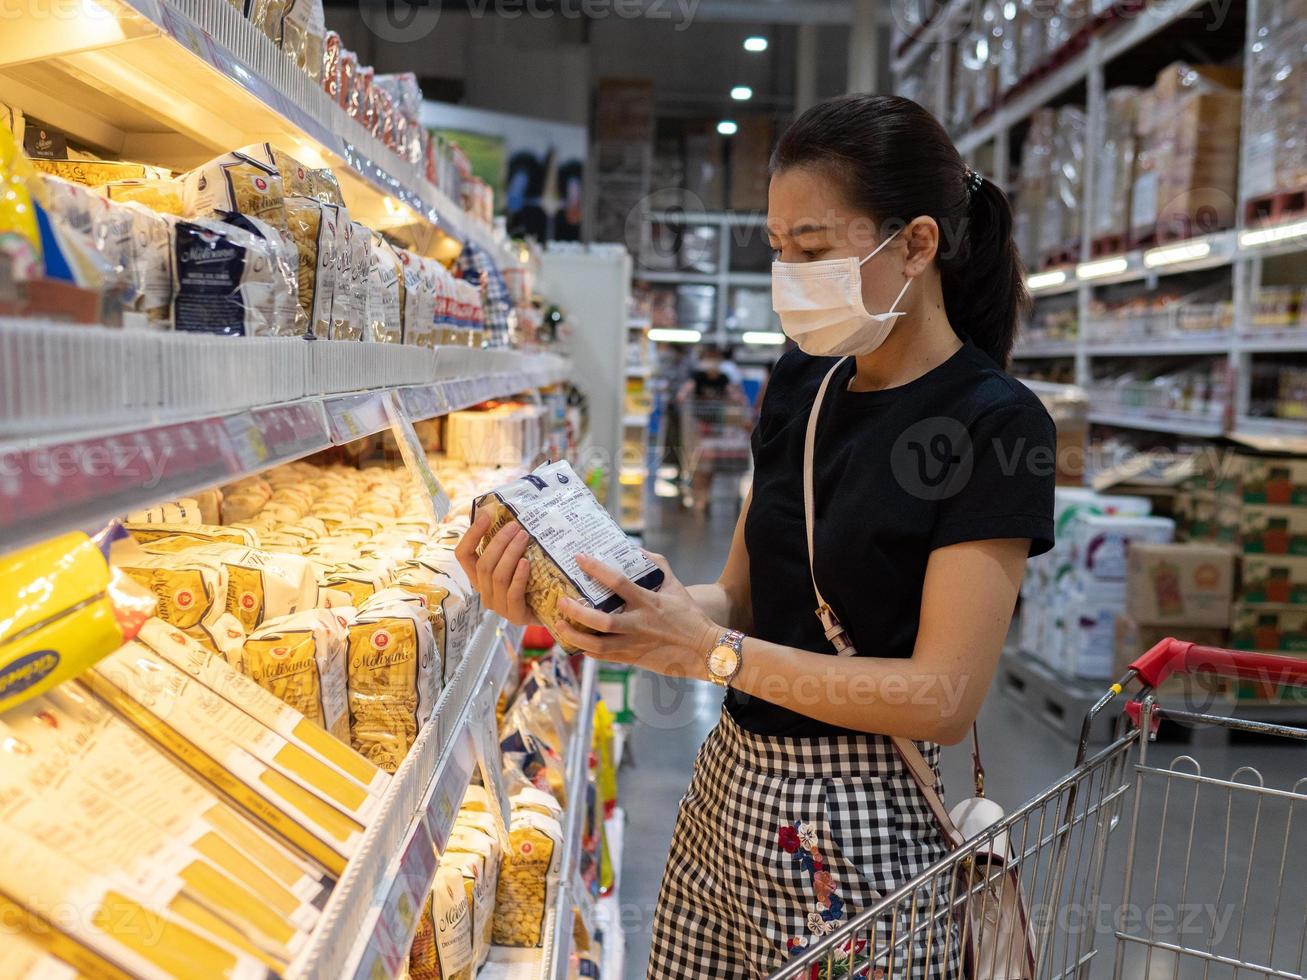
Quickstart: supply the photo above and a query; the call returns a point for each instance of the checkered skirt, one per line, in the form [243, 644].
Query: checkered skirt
[779, 842]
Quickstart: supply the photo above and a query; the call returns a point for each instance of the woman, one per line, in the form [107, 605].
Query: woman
[933, 481]
[710, 404]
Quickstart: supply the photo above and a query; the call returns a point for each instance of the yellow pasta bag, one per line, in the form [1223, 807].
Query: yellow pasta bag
[301, 660]
[526, 879]
[190, 589]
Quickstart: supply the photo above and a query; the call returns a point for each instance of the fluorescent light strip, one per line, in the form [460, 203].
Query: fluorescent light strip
[1045, 280]
[727, 127]
[755, 44]
[670, 335]
[762, 337]
[741, 93]
[1269, 236]
[1171, 254]
[1103, 267]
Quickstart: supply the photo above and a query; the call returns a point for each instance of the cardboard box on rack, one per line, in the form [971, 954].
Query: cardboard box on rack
[1268, 529]
[1273, 579]
[1269, 479]
[1134, 639]
[1180, 584]
[1269, 629]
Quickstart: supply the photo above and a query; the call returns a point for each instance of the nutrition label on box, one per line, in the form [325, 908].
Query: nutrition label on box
[557, 509]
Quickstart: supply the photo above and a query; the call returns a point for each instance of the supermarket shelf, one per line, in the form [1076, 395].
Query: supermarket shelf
[1050, 348]
[608, 910]
[636, 420]
[571, 891]
[1263, 428]
[1112, 43]
[368, 923]
[737, 218]
[1157, 420]
[1274, 341]
[911, 49]
[639, 370]
[549, 961]
[757, 279]
[141, 453]
[1197, 343]
[639, 323]
[176, 82]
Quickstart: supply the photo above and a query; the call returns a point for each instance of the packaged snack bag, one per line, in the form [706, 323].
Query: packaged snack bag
[526, 879]
[224, 279]
[563, 518]
[56, 617]
[190, 589]
[301, 659]
[391, 665]
[231, 683]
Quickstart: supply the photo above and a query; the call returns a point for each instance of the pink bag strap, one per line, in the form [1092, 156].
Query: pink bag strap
[922, 773]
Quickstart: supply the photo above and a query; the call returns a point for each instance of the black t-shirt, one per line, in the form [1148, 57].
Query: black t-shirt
[963, 453]
[708, 386]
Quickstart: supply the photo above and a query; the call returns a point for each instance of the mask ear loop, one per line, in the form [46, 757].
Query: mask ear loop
[872, 254]
[892, 307]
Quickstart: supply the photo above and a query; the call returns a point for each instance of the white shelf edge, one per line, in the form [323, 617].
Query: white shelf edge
[1157, 422]
[337, 946]
[1051, 349]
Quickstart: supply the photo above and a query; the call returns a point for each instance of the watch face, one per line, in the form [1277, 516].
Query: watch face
[722, 661]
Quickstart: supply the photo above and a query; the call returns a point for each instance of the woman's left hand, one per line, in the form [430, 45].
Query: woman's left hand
[663, 631]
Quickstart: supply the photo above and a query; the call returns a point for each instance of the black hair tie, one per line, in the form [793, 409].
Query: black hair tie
[974, 182]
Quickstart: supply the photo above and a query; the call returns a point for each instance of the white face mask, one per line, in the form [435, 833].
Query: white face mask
[820, 306]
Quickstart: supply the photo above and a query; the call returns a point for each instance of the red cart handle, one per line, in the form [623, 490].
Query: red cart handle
[1173, 655]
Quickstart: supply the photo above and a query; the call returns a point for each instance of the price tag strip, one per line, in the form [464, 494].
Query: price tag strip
[485, 737]
[393, 924]
[355, 416]
[415, 457]
[441, 805]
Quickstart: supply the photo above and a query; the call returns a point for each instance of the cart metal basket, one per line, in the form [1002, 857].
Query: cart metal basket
[1185, 909]
[716, 435]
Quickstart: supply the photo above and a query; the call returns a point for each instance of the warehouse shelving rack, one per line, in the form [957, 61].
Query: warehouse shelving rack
[1242, 250]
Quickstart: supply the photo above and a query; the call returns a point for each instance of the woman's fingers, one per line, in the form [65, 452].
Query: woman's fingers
[490, 556]
[603, 647]
[613, 579]
[506, 567]
[466, 551]
[517, 607]
[579, 612]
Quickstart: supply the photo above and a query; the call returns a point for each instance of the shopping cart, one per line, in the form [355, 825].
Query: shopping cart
[1208, 883]
[715, 442]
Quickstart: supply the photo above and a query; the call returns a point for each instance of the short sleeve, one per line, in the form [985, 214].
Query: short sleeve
[1003, 481]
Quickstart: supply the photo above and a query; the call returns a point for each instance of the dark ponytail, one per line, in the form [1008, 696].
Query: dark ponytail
[897, 163]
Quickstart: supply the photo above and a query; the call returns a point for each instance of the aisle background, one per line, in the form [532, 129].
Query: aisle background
[1023, 755]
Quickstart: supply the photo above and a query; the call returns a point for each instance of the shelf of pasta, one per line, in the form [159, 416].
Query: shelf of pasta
[221, 716]
[175, 81]
[129, 450]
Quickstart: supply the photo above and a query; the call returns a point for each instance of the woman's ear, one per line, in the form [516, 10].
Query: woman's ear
[921, 237]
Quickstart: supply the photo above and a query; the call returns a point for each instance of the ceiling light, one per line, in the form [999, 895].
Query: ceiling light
[669, 335]
[755, 44]
[1171, 254]
[763, 337]
[1099, 268]
[1046, 280]
[1268, 236]
[727, 127]
[741, 93]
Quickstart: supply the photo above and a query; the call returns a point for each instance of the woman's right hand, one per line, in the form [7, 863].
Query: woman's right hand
[500, 572]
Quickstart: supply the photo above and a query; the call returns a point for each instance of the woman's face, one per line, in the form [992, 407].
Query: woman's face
[808, 220]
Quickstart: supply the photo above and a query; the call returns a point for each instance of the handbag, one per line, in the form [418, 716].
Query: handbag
[996, 937]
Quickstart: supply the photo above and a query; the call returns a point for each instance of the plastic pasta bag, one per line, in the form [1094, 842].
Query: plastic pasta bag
[313, 228]
[224, 279]
[385, 294]
[285, 257]
[301, 659]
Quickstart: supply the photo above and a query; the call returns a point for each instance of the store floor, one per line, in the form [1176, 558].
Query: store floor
[1023, 756]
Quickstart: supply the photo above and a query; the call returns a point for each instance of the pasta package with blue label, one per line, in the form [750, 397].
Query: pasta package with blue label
[563, 518]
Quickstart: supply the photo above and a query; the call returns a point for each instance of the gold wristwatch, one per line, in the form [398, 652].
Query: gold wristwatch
[726, 658]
